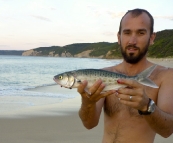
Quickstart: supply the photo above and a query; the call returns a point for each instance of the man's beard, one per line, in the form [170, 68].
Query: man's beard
[131, 58]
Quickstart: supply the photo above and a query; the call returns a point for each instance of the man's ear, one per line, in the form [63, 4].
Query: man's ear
[152, 37]
[118, 37]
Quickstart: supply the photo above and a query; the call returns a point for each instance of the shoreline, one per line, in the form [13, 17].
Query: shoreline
[41, 106]
[58, 122]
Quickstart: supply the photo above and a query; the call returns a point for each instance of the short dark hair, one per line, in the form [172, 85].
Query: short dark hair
[136, 12]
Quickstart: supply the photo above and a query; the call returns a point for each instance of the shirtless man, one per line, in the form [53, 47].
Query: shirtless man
[129, 114]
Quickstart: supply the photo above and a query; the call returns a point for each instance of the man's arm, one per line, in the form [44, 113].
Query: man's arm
[92, 104]
[90, 113]
[161, 122]
[162, 119]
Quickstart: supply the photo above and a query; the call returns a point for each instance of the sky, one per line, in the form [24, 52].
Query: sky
[29, 24]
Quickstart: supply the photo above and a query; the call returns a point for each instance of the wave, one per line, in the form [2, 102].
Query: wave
[43, 85]
[34, 91]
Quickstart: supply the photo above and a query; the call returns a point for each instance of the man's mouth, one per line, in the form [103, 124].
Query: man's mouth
[131, 49]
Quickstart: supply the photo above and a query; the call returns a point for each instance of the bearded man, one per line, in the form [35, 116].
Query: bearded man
[135, 113]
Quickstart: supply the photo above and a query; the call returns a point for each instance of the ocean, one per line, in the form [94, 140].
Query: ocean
[20, 73]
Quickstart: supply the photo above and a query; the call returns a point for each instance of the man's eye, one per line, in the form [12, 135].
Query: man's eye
[126, 33]
[141, 33]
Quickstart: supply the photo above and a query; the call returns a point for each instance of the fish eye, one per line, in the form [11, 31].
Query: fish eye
[60, 77]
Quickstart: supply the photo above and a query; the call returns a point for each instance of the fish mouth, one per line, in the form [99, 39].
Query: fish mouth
[56, 80]
[60, 83]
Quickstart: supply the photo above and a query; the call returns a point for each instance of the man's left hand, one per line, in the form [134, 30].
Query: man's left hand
[133, 95]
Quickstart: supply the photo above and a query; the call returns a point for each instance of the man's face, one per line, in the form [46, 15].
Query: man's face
[135, 37]
[131, 57]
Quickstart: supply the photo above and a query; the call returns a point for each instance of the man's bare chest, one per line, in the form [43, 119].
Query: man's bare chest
[113, 106]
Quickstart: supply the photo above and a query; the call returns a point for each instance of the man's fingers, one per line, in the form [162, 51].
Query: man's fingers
[81, 87]
[129, 82]
[99, 89]
[110, 92]
[95, 92]
[126, 91]
[96, 87]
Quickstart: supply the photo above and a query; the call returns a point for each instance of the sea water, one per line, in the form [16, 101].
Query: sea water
[19, 73]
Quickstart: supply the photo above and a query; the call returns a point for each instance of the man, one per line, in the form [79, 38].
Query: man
[130, 115]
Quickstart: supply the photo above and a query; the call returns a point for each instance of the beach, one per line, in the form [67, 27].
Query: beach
[56, 123]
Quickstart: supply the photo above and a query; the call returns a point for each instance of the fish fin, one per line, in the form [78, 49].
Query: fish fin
[146, 73]
[148, 82]
[143, 77]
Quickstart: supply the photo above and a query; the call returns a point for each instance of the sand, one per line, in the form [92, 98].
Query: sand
[47, 129]
[58, 123]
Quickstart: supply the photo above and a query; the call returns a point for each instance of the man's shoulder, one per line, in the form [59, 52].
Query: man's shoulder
[112, 68]
[163, 71]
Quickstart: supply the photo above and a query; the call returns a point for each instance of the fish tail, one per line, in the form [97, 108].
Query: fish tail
[143, 77]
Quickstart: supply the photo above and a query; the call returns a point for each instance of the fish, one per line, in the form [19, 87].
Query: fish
[72, 79]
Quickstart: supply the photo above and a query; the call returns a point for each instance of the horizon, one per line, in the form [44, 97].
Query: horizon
[56, 45]
[44, 23]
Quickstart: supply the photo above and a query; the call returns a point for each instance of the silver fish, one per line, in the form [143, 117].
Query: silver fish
[72, 79]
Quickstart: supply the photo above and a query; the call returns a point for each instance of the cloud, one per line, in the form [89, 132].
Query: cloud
[5, 47]
[115, 15]
[94, 10]
[52, 8]
[165, 17]
[41, 18]
[40, 5]
[97, 11]
[109, 34]
[79, 40]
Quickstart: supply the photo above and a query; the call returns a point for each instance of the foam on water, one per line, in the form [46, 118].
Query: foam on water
[19, 73]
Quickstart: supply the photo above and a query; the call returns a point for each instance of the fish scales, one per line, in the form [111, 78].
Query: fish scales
[73, 79]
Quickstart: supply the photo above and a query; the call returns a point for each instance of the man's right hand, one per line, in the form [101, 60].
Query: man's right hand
[94, 93]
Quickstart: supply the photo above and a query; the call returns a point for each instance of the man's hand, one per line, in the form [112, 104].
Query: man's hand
[92, 102]
[133, 95]
[94, 93]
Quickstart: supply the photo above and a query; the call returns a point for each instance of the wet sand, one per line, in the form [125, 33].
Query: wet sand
[56, 123]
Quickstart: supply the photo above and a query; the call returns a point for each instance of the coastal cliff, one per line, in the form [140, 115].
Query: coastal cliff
[163, 47]
[31, 53]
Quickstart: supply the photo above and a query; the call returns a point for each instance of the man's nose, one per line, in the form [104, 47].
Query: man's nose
[132, 40]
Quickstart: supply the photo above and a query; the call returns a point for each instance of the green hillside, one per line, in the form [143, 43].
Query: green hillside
[163, 47]
[46, 50]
